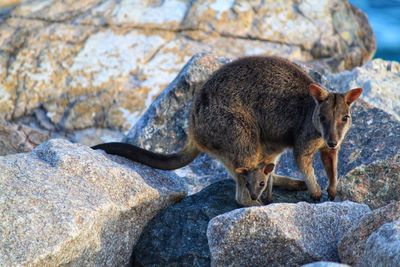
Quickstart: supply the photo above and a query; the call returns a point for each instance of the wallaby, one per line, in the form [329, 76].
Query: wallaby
[247, 113]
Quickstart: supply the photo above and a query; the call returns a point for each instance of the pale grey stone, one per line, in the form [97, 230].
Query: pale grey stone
[352, 246]
[281, 234]
[383, 247]
[66, 204]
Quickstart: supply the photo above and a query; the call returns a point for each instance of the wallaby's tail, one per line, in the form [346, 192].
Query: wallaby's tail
[152, 159]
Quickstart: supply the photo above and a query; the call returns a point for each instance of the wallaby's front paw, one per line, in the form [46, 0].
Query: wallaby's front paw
[331, 193]
[316, 196]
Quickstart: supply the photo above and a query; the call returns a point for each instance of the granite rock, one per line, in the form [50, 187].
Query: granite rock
[281, 234]
[102, 62]
[177, 235]
[375, 184]
[383, 247]
[66, 204]
[352, 245]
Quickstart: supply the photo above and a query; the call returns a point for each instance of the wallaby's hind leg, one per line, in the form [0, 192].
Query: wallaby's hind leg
[329, 159]
[289, 183]
[284, 182]
[304, 155]
[269, 188]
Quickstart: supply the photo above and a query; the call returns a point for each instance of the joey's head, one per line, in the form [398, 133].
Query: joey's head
[256, 179]
[332, 117]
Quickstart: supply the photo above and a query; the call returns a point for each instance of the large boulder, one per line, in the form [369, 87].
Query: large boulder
[163, 128]
[352, 245]
[177, 235]
[383, 247]
[281, 234]
[66, 204]
[101, 63]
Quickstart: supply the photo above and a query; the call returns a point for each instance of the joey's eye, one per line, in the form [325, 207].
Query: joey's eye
[262, 183]
[346, 118]
[247, 184]
[322, 118]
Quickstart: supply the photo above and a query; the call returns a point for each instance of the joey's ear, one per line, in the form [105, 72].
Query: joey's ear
[318, 93]
[241, 170]
[269, 168]
[352, 95]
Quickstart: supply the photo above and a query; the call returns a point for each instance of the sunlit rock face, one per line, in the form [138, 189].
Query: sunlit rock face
[66, 204]
[101, 63]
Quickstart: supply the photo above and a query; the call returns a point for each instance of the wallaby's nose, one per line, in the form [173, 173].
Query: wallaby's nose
[253, 196]
[332, 144]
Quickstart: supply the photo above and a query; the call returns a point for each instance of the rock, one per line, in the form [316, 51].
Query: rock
[66, 204]
[163, 128]
[353, 243]
[375, 184]
[17, 138]
[383, 247]
[378, 78]
[325, 264]
[101, 63]
[177, 236]
[281, 234]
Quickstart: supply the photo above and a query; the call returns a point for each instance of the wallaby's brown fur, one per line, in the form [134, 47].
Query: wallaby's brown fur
[247, 113]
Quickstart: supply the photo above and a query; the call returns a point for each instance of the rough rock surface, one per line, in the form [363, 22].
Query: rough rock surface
[353, 243]
[325, 264]
[177, 236]
[281, 234]
[374, 135]
[379, 79]
[375, 184]
[17, 138]
[383, 247]
[65, 204]
[101, 62]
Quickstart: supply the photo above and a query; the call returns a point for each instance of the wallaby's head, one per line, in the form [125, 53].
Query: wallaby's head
[332, 116]
[256, 179]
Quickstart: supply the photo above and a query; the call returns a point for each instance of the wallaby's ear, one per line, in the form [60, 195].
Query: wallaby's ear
[241, 170]
[352, 95]
[318, 93]
[269, 168]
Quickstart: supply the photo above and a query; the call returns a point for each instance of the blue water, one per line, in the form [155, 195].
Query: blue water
[384, 17]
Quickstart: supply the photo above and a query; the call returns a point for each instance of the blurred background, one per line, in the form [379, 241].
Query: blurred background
[384, 16]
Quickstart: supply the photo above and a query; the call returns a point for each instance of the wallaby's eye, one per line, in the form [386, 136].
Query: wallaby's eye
[322, 118]
[247, 184]
[262, 183]
[346, 118]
